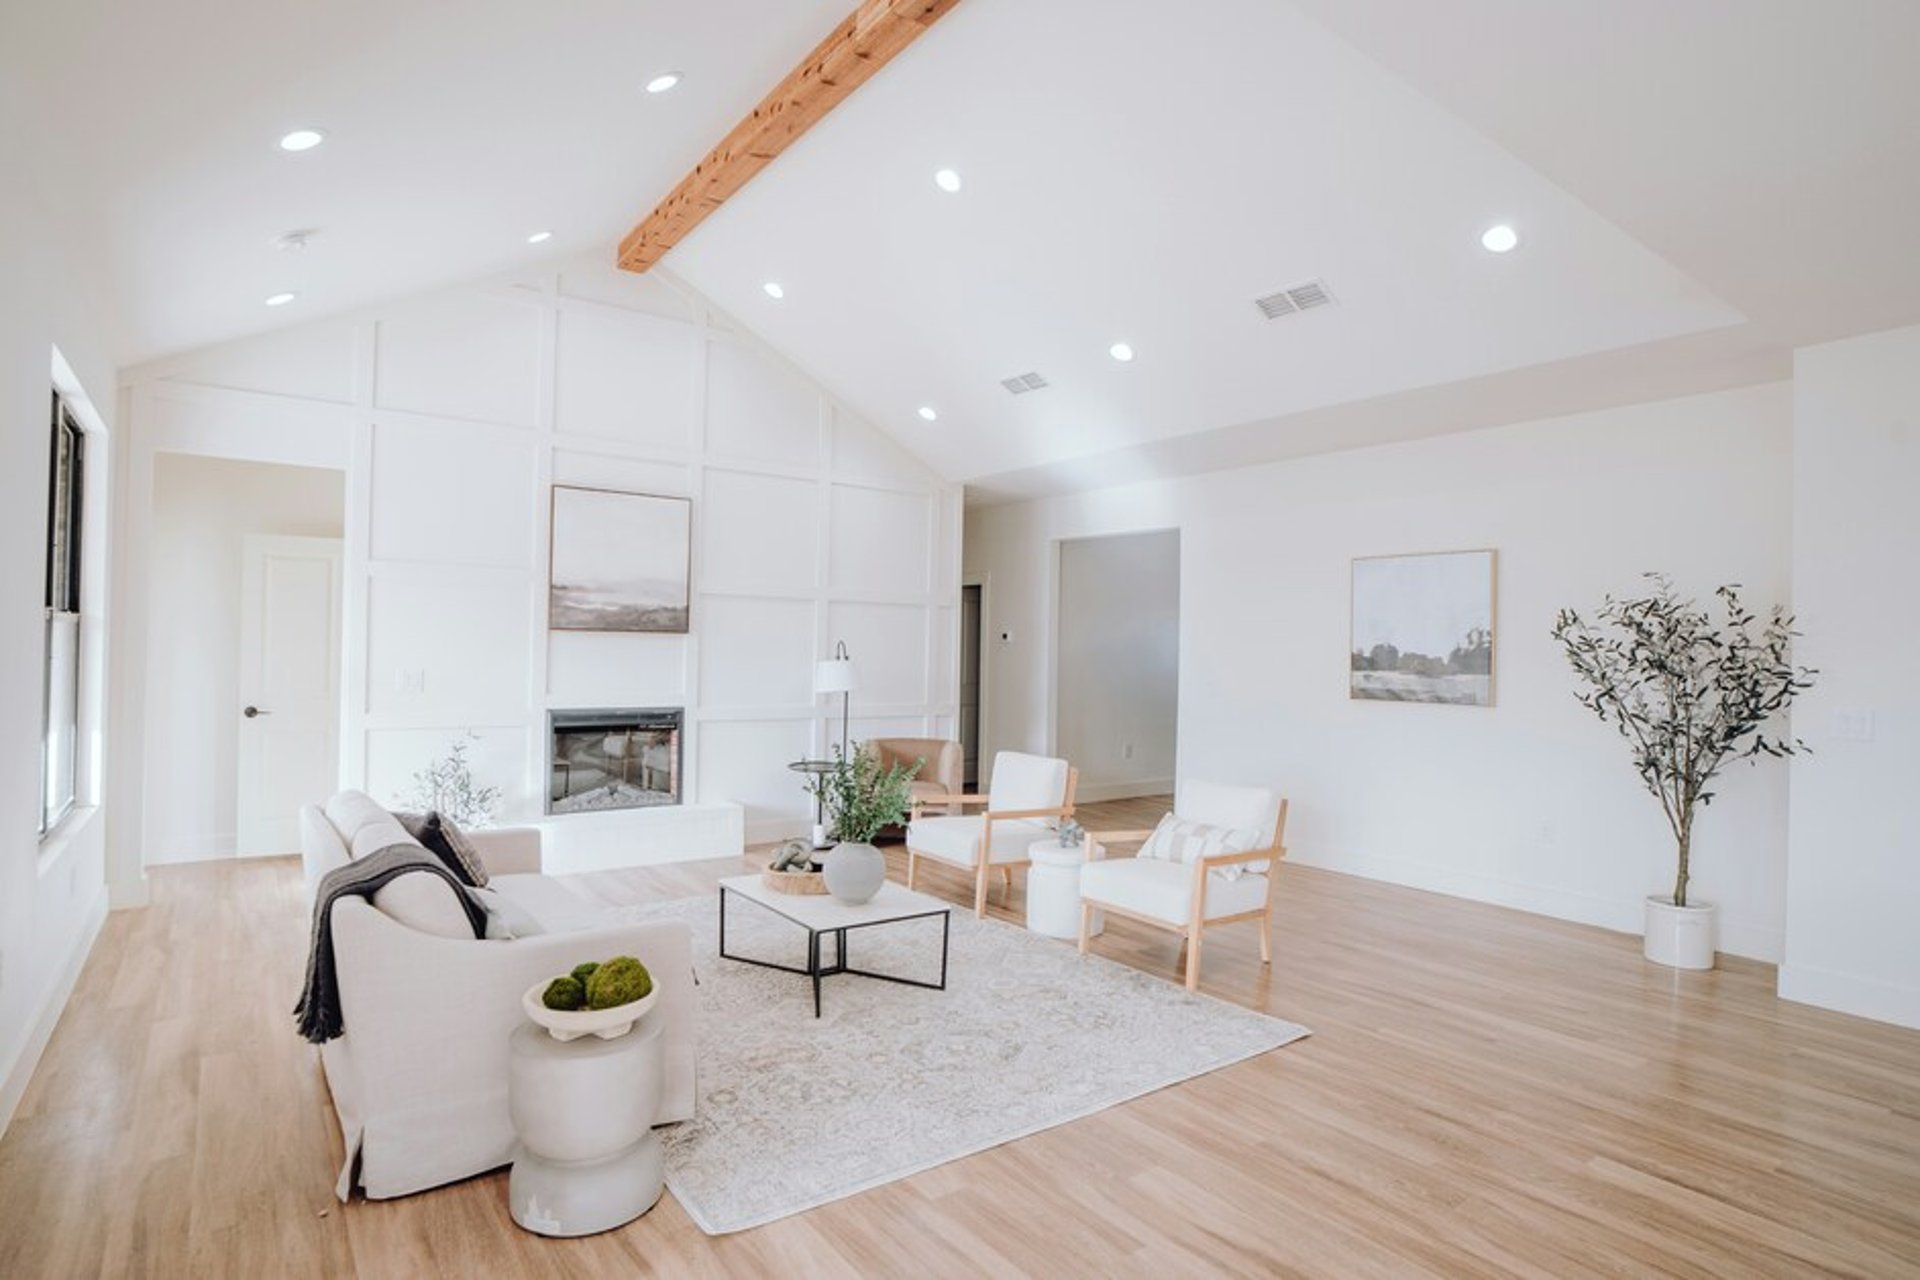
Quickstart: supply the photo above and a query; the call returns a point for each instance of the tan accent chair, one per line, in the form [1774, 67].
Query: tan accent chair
[942, 763]
[1192, 897]
[1023, 793]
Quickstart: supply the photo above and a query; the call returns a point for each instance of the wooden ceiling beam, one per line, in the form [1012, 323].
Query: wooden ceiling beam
[866, 41]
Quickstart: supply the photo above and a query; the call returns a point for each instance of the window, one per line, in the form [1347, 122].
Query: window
[60, 719]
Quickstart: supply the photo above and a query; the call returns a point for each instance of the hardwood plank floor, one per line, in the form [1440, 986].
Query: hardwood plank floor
[1485, 1093]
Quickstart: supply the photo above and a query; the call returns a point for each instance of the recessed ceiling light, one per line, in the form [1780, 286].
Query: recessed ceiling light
[280, 299]
[1120, 351]
[774, 290]
[1500, 238]
[540, 237]
[927, 413]
[302, 140]
[663, 82]
[947, 180]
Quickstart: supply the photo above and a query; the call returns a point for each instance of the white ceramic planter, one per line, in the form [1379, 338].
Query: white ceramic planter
[1680, 937]
[854, 871]
[571, 1024]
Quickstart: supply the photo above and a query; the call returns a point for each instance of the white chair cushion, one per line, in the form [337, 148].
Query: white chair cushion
[1254, 809]
[1021, 782]
[1185, 841]
[957, 840]
[1163, 890]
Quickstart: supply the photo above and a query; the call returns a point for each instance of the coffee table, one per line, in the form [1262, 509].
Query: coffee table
[823, 916]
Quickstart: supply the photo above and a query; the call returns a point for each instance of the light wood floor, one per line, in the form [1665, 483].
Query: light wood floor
[1486, 1092]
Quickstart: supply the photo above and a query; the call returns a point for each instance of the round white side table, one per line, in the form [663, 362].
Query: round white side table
[1053, 891]
[588, 1159]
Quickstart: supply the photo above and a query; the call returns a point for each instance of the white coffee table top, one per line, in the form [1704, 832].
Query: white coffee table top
[821, 912]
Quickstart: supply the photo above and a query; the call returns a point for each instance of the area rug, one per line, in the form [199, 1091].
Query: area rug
[796, 1112]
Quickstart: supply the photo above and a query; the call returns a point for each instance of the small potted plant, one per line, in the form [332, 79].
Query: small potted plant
[1688, 694]
[862, 798]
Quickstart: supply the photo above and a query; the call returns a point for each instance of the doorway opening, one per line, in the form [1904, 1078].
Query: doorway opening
[243, 655]
[1117, 662]
[972, 599]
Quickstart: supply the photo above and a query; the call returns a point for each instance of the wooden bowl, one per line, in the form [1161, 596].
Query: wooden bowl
[571, 1024]
[794, 881]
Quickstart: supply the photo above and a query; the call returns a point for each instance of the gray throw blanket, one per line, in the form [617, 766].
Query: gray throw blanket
[318, 1012]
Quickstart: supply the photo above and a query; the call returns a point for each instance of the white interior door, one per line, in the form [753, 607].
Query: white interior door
[289, 686]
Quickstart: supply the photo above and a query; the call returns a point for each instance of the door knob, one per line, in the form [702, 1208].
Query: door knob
[251, 712]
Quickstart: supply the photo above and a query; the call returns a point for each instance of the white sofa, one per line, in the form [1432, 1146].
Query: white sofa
[419, 1076]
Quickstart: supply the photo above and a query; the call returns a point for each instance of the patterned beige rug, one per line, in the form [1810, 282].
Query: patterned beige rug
[795, 1112]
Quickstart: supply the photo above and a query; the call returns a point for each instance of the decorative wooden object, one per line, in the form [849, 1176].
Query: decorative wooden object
[866, 41]
[794, 881]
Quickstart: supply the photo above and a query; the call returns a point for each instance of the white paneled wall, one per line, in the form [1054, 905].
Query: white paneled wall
[809, 528]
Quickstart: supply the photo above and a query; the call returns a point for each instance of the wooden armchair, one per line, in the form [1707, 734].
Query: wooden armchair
[1023, 793]
[1190, 894]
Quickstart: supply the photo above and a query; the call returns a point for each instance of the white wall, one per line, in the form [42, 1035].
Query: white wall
[52, 896]
[460, 409]
[203, 509]
[1853, 940]
[1531, 802]
[1118, 662]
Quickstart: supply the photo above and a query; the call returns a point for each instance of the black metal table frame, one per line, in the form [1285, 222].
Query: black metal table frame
[816, 971]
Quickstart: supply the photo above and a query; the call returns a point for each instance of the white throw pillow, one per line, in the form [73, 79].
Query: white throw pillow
[1182, 840]
[506, 919]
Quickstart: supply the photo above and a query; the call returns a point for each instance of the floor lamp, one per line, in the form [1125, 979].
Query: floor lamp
[835, 675]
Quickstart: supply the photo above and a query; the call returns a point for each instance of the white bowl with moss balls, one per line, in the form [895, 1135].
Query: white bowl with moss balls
[567, 1012]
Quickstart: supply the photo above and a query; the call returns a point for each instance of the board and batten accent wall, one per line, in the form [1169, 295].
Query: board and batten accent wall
[1532, 802]
[459, 410]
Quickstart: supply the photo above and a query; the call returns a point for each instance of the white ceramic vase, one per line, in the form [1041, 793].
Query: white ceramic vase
[854, 872]
[1679, 937]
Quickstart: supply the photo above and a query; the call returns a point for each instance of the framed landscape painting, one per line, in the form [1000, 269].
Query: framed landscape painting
[619, 561]
[1423, 628]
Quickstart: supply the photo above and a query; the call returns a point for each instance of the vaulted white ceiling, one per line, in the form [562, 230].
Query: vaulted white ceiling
[1700, 185]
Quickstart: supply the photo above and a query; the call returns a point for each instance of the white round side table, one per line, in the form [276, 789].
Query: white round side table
[588, 1159]
[1053, 891]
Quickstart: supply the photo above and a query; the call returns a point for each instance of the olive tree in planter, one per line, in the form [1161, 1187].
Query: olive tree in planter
[1689, 694]
[862, 798]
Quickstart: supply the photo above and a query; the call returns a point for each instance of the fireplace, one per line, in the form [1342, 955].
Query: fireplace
[619, 758]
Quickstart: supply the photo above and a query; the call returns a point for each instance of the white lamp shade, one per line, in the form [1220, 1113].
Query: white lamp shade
[835, 675]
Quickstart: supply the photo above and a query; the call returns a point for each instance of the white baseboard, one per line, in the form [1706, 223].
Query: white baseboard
[1094, 792]
[1845, 993]
[1627, 916]
[48, 1018]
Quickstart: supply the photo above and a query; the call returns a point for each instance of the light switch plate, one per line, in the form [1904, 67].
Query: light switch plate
[1852, 725]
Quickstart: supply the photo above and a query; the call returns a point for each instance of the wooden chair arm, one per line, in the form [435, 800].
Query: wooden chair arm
[1120, 837]
[1014, 815]
[1272, 853]
[937, 802]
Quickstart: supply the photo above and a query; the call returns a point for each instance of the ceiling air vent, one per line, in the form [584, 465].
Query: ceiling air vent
[1021, 383]
[1302, 297]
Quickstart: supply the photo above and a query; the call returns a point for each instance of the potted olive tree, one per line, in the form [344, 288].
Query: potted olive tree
[861, 798]
[1688, 694]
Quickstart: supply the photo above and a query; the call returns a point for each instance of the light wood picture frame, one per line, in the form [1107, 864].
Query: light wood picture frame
[619, 561]
[1422, 628]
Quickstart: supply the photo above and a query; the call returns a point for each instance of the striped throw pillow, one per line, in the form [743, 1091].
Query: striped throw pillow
[1183, 840]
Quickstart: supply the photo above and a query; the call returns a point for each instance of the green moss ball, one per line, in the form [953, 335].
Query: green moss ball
[621, 980]
[582, 972]
[565, 993]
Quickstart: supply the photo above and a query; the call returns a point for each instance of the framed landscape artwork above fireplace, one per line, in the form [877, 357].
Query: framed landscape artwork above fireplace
[619, 561]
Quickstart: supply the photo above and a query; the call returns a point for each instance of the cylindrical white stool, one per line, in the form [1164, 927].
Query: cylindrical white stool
[1053, 891]
[583, 1110]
